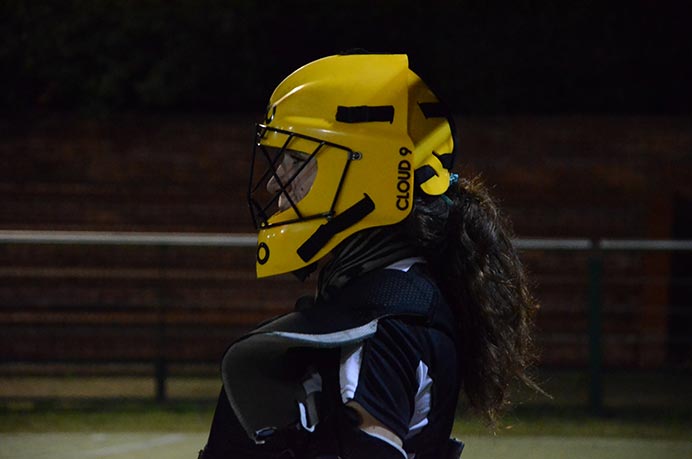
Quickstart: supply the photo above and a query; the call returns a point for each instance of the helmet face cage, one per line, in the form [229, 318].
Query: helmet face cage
[264, 199]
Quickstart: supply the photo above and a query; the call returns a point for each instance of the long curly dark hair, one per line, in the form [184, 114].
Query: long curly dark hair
[468, 243]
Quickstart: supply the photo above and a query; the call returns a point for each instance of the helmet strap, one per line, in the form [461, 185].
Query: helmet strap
[337, 224]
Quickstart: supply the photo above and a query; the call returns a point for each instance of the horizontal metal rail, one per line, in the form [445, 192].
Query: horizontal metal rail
[554, 244]
[250, 240]
[128, 238]
[646, 245]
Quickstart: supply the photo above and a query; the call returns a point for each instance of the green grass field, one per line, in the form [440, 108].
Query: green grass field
[185, 446]
[136, 429]
[646, 417]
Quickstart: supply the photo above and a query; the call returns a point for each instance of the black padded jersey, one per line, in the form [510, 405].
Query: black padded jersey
[406, 378]
[393, 325]
[406, 374]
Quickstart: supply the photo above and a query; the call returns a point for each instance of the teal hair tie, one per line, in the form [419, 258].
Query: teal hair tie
[453, 179]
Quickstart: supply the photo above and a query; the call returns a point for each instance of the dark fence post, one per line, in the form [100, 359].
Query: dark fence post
[596, 330]
[161, 369]
[161, 375]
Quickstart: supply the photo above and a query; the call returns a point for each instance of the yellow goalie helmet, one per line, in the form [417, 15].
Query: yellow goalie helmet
[345, 141]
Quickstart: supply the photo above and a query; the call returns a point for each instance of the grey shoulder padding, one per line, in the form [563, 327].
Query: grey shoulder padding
[263, 372]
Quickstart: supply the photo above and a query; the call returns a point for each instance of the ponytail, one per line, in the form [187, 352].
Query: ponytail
[469, 248]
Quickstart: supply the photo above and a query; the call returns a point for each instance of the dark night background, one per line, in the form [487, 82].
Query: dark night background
[492, 57]
[137, 116]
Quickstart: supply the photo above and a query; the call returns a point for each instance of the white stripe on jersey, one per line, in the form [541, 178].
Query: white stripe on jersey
[423, 401]
[349, 374]
[405, 264]
[349, 371]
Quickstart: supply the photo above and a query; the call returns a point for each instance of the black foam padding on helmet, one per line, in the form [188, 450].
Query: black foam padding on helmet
[446, 159]
[423, 174]
[365, 113]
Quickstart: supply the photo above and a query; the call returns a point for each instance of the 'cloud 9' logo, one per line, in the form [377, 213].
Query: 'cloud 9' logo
[403, 181]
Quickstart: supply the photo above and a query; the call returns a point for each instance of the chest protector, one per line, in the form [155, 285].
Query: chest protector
[268, 374]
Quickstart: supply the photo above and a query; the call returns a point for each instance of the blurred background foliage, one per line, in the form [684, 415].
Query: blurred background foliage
[225, 56]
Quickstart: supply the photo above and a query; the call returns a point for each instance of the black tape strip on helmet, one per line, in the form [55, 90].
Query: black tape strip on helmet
[440, 110]
[446, 159]
[365, 113]
[423, 174]
[325, 232]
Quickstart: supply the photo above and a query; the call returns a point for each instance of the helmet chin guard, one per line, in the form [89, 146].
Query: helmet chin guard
[345, 141]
